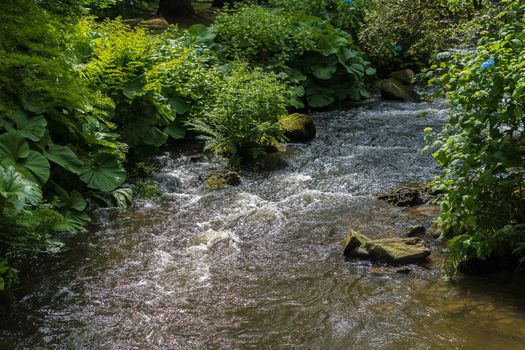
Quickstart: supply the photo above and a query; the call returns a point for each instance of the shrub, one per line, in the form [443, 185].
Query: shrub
[347, 15]
[322, 62]
[239, 120]
[402, 32]
[54, 132]
[482, 148]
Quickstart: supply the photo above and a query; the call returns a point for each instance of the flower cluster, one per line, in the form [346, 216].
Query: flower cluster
[488, 64]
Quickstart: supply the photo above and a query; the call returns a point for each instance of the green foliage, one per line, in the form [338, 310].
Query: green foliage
[403, 32]
[321, 62]
[482, 148]
[151, 81]
[17, 193]
[7, 276]
[239, 120]
[53, 132]
[343, 15]
[26, 223]
[147, 190]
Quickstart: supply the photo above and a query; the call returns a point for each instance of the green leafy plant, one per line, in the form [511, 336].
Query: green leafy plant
[239, 121]
[322, 63]
[482, 148]
[147, 190]
[346, 15]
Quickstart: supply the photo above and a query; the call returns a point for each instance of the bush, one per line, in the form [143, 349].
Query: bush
[399, 33]
[482, 148]
[239, 120]
[347, 15]
[322, 62]
[402, 32]
[54, 133]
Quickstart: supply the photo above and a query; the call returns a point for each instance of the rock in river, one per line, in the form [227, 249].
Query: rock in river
[393, 250]
[298, 127]
[223, 178]
[406, 196]
[393, 89]
[405, 76]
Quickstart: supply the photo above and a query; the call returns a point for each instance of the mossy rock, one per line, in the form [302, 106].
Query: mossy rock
[223, 179]
[352, 241]
[298, 127]
[397, 251]
[393, 89]
[415, 231]
[406, 196]
[393, 250]
[405, 76]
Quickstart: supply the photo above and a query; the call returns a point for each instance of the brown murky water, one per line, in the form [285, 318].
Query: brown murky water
[260, 266]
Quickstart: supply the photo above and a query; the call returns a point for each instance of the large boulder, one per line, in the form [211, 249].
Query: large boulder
[397, 250]
[393, 89]
[298, 127]
[405, 76]
[393, 250]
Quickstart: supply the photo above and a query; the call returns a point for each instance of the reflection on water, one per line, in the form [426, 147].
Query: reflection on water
[260, 266]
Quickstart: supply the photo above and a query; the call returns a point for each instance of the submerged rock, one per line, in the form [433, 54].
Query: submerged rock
[270, 162]
[405, 76]
[405, 196]
[298, 127]
[392, 250]
[393, 89]
[223, 178]
[414, 231]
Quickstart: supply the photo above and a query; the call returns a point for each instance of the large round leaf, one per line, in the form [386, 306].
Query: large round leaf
[14, 151]
[32, 128]
[13, 146]
[18, 191]
[202, 32]
[105, 174]
[65, 157]
[35, 167]
[176, 131]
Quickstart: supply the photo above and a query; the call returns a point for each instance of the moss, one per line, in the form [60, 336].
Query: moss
[223, 179]
[298, 127]
[147, 190]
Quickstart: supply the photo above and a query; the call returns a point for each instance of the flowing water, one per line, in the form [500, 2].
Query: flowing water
[260, 265]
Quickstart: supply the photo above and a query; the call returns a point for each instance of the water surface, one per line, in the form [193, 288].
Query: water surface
[260, 266]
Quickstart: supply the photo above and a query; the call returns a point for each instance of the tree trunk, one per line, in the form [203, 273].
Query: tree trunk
[175, 8]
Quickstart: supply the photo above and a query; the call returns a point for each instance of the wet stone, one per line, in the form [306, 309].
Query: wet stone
[414, 231]
[405, 196]
[393, 250]
[405, 76]
[393, 89]
[298, 127]
[397, 252]
[223, 178]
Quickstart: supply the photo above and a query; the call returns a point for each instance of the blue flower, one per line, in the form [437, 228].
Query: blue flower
[398, 48]
[349, 1]
[200, 49]
[488, 64]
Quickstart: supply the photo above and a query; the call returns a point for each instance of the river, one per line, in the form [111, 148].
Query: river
[259, 266]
